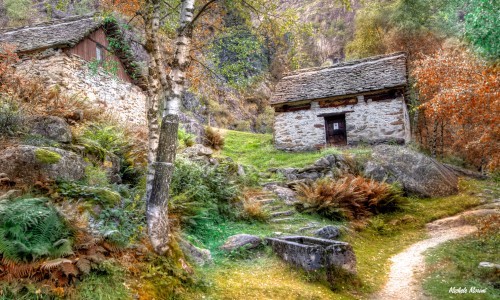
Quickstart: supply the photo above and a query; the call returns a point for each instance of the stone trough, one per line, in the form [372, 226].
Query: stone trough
[311, 254]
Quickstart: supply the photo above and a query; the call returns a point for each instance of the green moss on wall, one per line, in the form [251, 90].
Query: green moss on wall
[46, 156]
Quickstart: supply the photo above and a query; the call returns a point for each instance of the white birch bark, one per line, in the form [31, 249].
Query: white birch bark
[161, 171]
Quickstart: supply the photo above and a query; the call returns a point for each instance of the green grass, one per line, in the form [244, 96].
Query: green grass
[108, 284]
[455, 264]
[392, 233]
[258, 150]
[265, 277]
[262, 276]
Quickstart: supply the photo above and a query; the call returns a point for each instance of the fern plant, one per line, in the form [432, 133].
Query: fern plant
[31, 229]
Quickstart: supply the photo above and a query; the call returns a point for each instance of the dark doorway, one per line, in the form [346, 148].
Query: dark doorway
[335, 130]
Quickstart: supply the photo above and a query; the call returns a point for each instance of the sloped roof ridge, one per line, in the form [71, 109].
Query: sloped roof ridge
[347, 63]
[69, 19]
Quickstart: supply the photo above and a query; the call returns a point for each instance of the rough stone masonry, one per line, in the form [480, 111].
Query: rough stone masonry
[369, 122]
[366, 96]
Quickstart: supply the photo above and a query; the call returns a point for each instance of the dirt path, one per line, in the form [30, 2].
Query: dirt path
[403, 283]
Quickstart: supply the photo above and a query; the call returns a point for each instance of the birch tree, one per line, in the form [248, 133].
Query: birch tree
[166, 89]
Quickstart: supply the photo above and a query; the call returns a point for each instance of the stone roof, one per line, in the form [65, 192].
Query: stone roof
[61, 33]
[348, 78]
[67, 32]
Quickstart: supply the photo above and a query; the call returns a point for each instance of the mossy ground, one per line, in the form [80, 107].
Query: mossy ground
[375, 241]
[258, 150]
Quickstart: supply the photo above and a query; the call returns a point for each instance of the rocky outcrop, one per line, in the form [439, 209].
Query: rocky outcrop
[50, 127]
[28, 164]
[418, 174]
[245, 241]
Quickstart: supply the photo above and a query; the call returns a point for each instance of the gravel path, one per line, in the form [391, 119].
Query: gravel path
[404, 283]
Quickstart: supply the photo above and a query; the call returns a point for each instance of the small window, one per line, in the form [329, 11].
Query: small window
[99, 53]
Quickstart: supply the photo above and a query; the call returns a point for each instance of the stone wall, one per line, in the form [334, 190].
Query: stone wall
[72, 75]
[367, 121]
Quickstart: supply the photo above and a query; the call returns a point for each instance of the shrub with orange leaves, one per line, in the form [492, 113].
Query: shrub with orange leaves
[461, 93]
[348, 198]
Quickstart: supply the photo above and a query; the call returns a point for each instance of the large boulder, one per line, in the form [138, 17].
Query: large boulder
[198, 152]
[245, 241]
[28, 164]
[417, 173]
[197, 255]
[50, 127]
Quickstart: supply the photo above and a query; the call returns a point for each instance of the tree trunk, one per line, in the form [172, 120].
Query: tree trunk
[157, 205]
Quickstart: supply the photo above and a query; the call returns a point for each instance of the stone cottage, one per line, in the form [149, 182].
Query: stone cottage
[69, 54]
[349, 103]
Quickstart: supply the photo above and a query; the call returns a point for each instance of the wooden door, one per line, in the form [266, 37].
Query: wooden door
[335, 131]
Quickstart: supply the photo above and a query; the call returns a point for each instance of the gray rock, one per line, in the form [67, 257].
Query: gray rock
[328, 232]
[198, 151]
[28, 164]
[197, 255]
[488, 265]
[50, 127]
[286, 194]
[312, 253]
[417, 173]
[246, 241]
[241, 171]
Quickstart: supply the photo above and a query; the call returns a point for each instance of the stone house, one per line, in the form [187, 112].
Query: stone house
[349, 103]
[69, 54]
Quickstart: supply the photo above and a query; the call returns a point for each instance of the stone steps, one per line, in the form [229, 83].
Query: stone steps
[288, 219]
[272, 207]
[266, 201]
[282, 213]
[306, 228]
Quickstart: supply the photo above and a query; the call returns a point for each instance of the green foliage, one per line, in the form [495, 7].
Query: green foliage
[257, 150]
[165, 278]
[243, 125]
[371, 22]
[11, 117]
[201, 192]
[106, 283]
[97, 195]
[39, 141]
[482, 27]
[109, 67]
[62, 5]
[239, 56]
[455, 264]
[121, 219]
[31, 229]
[102, 138]
[264, 121]
[96, 176]
[46, 156]
[185, 139]
[17, 10]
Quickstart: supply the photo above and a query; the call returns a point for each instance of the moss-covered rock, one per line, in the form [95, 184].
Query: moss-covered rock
[105, 196]
[46, 156]
[27, 164]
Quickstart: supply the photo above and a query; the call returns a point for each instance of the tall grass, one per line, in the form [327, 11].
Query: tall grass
[348, 198]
